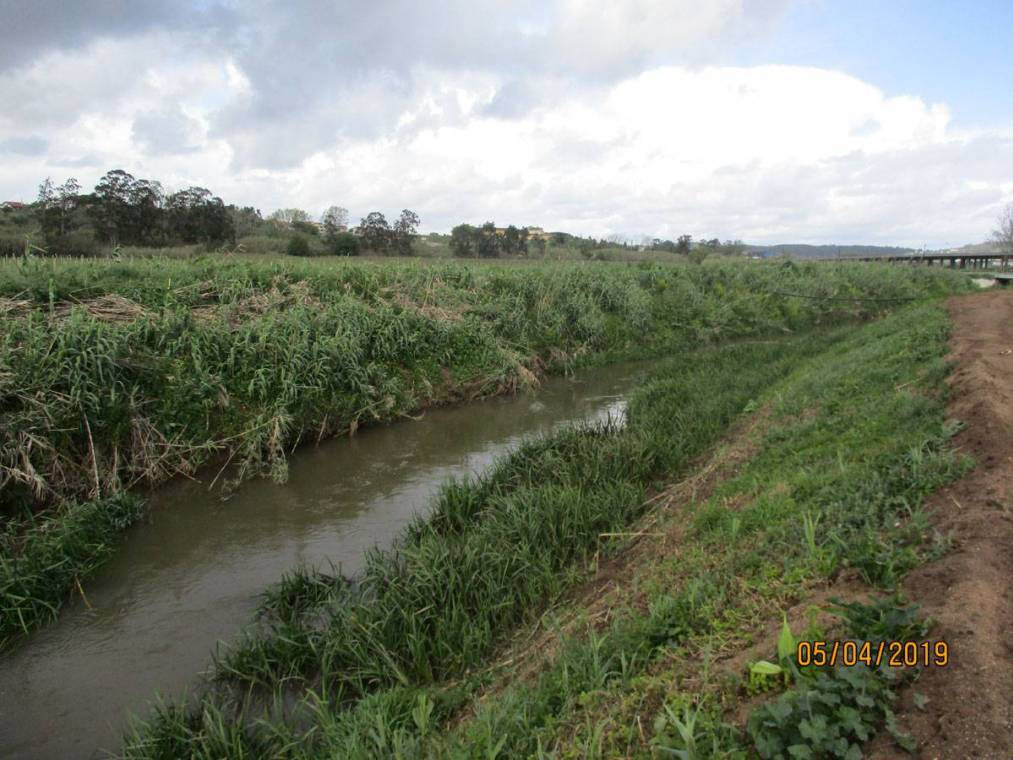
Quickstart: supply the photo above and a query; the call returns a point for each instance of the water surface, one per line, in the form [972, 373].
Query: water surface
[189, 574]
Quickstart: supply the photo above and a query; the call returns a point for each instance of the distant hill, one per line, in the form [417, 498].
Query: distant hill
[799, 251]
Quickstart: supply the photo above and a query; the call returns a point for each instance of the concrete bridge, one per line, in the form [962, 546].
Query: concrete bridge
[995, 261]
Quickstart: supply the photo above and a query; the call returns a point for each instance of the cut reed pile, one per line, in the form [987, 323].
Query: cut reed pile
[120, 374]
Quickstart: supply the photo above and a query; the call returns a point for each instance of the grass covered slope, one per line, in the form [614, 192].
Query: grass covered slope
[122, 374]
[494, 550]
[829, 503]
[113, 374]
[849, 440]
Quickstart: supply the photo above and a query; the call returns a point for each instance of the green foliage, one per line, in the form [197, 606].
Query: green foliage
[833, 711]
[128, 372]
[298, 245]
[496, 547]
[344, 244]
[40, 562]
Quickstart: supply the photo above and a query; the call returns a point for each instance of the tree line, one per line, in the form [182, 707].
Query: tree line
[488, 241]
[126, 210]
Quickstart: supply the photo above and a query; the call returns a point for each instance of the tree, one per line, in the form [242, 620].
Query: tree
[111, 207]
[487, 243]
[1003, 236]
[375, 232]
[684, 244]
[344, 244]
[405, 228]
[146, 200]
[289, 215]
[462, 240]
[298, 245]
[246, 220]
[197, 216]
[511, 241]
[67, 199]
[335, 219]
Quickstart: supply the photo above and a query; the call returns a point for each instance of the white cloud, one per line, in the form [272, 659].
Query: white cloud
[595, 119]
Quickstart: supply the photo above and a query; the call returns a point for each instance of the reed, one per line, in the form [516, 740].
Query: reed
[121, 374]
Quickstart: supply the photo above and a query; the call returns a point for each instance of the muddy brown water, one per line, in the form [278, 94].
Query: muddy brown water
[189, 574]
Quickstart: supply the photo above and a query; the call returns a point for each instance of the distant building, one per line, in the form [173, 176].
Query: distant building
[12, 205]
[534, 233]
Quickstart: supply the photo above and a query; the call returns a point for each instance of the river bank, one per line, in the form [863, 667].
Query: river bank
[119, 375]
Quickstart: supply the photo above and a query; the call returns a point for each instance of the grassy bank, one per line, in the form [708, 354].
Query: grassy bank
[400, 666]
[122, 374]
[830, 502]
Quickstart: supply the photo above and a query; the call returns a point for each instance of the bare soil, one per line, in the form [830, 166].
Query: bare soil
[969, 713]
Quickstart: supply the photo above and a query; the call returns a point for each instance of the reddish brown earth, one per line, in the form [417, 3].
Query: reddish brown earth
[969, 713]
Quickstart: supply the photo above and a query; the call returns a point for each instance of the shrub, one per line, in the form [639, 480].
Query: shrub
[298, 246]
[345, 244]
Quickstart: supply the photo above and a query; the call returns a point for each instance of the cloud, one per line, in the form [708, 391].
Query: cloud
[33, 29]
[623, 117]
[167, 130]
[24, 146]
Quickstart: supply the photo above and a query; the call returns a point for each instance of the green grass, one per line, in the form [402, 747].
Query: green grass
[41, 560]
[854, 442]
[120, 374]
[494, 552]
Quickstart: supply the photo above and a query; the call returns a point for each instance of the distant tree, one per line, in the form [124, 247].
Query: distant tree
[375, 232]
[306, 228]
[511, 242]
[1003, 236]
[246, 220]
[289, 215]
[488, 243]
[733, 248]
[405, 228]
[462, 240]
[146, 215]
[344, 244]
[46, 209]
[298, 245]
[335, 219]
[684, 244]
[540, 245]
[197, 216]
[111, 207]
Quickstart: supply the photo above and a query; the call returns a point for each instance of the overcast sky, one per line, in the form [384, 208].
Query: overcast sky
[878, 121]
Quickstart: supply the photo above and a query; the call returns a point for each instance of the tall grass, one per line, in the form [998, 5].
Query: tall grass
[841, 440]
[496, 549]
[121, 374]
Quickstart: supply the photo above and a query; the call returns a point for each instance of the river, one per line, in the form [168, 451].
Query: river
[189, 574]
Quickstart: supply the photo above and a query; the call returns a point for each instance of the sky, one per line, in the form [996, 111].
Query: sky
[803, 121]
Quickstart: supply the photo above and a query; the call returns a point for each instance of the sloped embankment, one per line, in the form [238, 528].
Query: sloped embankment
[969, 711]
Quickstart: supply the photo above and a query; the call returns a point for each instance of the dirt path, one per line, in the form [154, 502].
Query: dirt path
[968, 592]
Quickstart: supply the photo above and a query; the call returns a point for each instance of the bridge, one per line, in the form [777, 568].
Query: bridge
[993, 261]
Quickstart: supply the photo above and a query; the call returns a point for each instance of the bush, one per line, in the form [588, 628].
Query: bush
[345, 244]
[79, 243]
[298, 246]
[12, 245]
